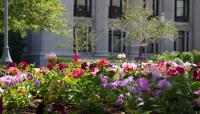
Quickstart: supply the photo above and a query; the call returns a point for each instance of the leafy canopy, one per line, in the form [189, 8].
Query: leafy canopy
[35, 15]
[143, 28]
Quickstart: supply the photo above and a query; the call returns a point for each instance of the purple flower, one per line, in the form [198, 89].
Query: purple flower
[142, 84]
[119, 100]
[104, 80]
[164, 84]
[126, 81]
[131, 88]
[29, 76]
[114, 84]
[197, 92]
[122, 73]
[37, 83]
[196, 100]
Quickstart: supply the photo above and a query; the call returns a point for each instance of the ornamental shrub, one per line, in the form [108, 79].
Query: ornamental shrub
[187, 57]
[196, 55]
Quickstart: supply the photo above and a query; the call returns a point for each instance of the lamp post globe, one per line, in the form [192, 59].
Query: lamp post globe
[6, 54]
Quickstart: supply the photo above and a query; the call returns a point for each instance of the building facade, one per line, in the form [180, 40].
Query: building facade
[184, 13]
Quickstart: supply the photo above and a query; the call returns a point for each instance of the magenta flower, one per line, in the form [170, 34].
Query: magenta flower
[180, 70]
[76, 57]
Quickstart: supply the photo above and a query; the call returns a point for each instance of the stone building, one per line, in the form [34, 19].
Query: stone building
[185, 14]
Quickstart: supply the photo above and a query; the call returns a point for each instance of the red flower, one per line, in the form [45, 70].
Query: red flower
[77, 73]
[76, 57]
[23, 65]
[102, 63]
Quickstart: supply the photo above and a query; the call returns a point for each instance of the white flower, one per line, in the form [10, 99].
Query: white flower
[121, 55]
[1, 90]
[51, 55]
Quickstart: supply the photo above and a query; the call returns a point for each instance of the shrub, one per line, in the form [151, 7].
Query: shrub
[196, 55]
[187, 57]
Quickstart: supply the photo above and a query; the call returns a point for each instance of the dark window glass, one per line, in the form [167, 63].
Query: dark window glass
[187, 41]
[115, 41]
[181, 10]
[115, 9]
[155, 7]
[179, 44]
[82, 8]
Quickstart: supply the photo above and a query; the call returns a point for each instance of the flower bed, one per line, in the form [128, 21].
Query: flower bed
[100, 87]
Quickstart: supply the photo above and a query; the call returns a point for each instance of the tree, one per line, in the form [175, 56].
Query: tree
[35, 15]
[84, 38]
[143, 28]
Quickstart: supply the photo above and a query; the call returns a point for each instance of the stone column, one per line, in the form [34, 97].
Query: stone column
[196, 24]
[101, 26]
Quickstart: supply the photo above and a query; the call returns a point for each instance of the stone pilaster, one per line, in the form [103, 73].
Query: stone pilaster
[101, 27]
[168, 8]
[196, 24]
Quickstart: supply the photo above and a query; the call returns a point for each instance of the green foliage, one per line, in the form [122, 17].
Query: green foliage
[196, 55]
[187, 57]
[179, 57]
[142, 27]
[84, 38]
[35, 15]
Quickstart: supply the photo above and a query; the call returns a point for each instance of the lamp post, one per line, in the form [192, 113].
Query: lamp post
[6, 54]
[162, 19]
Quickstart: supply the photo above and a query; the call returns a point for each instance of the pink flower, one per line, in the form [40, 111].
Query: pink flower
[76, 57]
[171, 71]
[51, 55]
[13, 70]
[93, 72]
[197, 92]
[129, 66]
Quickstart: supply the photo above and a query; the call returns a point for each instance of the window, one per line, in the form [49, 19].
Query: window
[155, 7]
[144, 3]
[82, 39]
[152, 48]
[182, 43]
[116, 41]
[181, 10]
[115, 9]
[82, 8]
